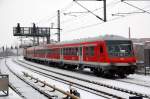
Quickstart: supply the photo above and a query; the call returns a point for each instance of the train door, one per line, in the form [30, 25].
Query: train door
[101, 52]
[80, 54]
[61, 54]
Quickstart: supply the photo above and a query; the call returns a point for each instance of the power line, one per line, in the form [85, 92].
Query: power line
[91, 25]
[45, 20]
[135, 0]
[136, 7]
[134, 12]
[55, 15]
[122, 14]
[67, 7]
[96, 24]
[89, 11]
[112, 3]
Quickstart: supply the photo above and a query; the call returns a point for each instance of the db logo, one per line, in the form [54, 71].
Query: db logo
[121, 58]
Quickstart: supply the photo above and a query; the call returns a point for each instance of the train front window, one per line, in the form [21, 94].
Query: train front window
[119, 48]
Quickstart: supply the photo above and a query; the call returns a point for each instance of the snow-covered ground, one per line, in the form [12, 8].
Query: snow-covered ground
[19, 70]
[145, 78]
[84, 94]
[21, 86]
[123, 85]
[137, 79]
[102, 80]
[12, 95]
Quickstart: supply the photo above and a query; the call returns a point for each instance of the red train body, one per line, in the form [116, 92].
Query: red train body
[109, 55]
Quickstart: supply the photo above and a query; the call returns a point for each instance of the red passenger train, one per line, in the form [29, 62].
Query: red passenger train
[106, 56]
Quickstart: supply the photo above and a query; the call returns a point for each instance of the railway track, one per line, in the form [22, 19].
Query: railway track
[92, 82]
[21, 78]
[77, 85]
[39, 88]
[128, 80]
[136, 82]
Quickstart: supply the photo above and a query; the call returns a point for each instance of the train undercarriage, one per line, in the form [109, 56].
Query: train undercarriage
[103, 71]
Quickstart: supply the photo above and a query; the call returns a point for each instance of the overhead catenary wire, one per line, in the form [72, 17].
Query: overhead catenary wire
[96, 24]
[134, 12]
[89, 11]
[112, 3]
[67, 7]
[70, 5]
[136, 7]
[46, 20]
[135, 0]
[55, 14]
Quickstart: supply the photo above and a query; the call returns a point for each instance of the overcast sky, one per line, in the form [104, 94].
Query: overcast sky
[41, 12]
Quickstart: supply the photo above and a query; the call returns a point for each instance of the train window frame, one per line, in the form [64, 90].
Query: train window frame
[90, 50]
[64, 51]
[76, 51]
[87, 51]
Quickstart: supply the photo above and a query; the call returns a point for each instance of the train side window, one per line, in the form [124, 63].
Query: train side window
[50, 51]
[101, 49]
[64, 51]
[72, 51]
[76, 51]
[60, 51]
[87, 51]
[91, 51]
[69, 51]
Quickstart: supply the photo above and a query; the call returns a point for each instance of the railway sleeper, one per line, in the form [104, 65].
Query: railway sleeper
[120, 89]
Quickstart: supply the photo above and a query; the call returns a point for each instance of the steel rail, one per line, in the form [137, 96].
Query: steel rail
[74, 83]
[34, 87]
[93, 82]
[53, 87]
[17, 91]
[105, 93]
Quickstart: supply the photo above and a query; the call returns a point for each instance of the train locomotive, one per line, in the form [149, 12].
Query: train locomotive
[104, 55]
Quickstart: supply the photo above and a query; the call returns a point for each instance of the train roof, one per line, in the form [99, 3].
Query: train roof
[90, 39]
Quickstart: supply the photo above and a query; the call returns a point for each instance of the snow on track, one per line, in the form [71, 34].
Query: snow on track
[84, 94]
[27, 91]
[116, 92]
[132, 87]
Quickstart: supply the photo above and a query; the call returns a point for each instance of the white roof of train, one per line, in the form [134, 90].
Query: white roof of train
[90, 39]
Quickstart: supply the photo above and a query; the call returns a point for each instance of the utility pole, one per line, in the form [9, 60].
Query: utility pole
[58, 23]
[105, 17]
[129, 33]
[34, 33]
[48, 38]
[21, 41]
